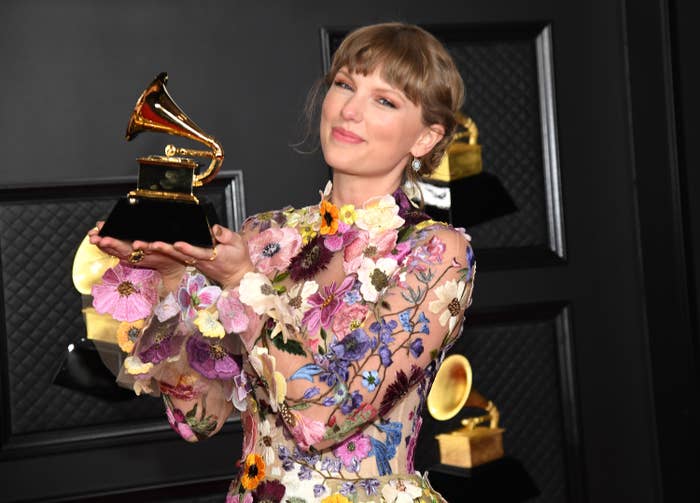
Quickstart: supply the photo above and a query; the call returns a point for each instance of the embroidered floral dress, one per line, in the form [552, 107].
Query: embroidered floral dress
[327, 350]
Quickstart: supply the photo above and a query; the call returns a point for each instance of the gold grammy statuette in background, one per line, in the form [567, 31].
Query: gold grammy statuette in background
[463, 155]
[163, 207]
[480, 440]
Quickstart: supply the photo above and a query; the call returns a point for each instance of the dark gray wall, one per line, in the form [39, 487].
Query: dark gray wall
[611, 313]
[72, 70]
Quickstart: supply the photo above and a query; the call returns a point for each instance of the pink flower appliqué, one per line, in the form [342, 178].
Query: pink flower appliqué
[236, 498]
[346, 234]
[325, 304]
[250, 432]
[353, 450]
[365, 245]
[307, 431]
[178, 422]
[233, 314]
[126, 293]
[347, 319]
[195, 295]
[273, 249]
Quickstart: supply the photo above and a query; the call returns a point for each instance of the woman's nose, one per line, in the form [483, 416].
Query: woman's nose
[352, 110]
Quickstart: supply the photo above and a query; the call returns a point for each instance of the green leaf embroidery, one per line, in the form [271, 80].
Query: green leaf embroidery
[280, 277]
[291, 346]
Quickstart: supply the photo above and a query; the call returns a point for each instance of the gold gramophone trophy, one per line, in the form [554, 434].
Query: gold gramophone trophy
[459, 191]
[480, 440]
[163, 206]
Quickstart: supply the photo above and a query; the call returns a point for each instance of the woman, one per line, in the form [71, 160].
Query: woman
[323, 325]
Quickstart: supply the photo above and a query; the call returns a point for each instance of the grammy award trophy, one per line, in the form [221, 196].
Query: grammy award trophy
[163, 206]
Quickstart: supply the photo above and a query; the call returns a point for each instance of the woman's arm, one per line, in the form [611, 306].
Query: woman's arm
[413, 310]
[162, 332]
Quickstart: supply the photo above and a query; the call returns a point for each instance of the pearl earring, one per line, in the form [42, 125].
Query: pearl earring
[416, 165]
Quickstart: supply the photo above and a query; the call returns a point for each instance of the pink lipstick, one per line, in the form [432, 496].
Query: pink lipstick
[345, 136]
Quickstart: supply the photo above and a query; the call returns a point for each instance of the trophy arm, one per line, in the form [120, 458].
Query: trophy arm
[213, 168]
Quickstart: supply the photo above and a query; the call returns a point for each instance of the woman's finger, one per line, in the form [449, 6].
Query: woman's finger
[170, 251]
[223, 234]
[196, 252]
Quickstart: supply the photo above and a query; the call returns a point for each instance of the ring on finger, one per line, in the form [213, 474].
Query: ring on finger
[213, 255]
[136, 256]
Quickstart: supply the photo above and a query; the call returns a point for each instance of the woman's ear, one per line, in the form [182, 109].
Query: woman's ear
[427, 140]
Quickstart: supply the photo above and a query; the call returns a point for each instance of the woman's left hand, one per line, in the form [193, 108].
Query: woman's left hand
[225, 263]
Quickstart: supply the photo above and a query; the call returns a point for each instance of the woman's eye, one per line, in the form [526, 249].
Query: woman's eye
[343, 85]
[386, 103]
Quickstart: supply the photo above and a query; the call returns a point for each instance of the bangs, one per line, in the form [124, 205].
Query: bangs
[401, 64]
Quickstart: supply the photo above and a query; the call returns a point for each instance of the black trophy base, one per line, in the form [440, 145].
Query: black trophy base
[164, 220]
[83, 370]
[475, 199]
[503, 480]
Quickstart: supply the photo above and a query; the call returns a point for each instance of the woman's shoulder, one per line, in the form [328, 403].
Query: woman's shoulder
[430, 229]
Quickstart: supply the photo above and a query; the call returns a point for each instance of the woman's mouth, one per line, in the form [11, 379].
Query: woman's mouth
[345, 136]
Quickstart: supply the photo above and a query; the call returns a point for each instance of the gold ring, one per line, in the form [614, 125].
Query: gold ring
[136, 256]
[213, 255]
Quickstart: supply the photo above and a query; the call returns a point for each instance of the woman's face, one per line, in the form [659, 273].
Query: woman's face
[368, 127]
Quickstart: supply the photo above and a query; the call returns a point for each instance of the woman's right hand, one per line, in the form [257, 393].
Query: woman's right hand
[226, 263]
[170, 266]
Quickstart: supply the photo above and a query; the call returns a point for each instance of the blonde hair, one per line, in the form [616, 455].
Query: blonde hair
[414, 61]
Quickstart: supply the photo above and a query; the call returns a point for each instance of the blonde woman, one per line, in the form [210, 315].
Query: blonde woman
[323, 325]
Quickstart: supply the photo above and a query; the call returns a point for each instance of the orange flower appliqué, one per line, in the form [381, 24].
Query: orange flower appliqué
[127, 333]
[253, 471]
[329, 218]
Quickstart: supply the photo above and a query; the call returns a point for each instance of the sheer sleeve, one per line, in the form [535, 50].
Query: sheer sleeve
[397, 315]
[169, 355]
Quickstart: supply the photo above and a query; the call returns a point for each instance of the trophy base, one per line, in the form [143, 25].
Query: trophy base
[164, 220]
[471, 448]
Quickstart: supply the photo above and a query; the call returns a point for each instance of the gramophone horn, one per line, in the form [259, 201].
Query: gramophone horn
[452, 391]
[156, 111]
[451, 388]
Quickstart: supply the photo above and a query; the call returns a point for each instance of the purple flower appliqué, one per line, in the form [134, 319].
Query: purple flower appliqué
[324, 305]
[312, 258]
[351, 403]
[211, 359]
[269, 491]
[161, 340]
[370, 486]
[416, 348]
[384, 330]
[353, 346]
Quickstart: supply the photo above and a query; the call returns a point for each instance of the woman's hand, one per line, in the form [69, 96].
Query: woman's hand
[171, 267]
[226, 263]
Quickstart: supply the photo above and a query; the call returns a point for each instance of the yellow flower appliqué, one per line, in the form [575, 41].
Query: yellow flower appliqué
[208, 323]
[335, 498]
[347, 214]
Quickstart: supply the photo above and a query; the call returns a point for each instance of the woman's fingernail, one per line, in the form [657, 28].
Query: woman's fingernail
[217, 231]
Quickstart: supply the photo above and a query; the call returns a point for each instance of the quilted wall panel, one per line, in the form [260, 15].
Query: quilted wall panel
[518, 366]
[39, 234]
[501, 70]
[502, 98]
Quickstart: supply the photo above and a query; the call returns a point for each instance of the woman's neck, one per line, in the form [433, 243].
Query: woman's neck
[355, 190]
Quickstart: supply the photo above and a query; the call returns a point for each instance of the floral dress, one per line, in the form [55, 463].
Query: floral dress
[327, 350]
